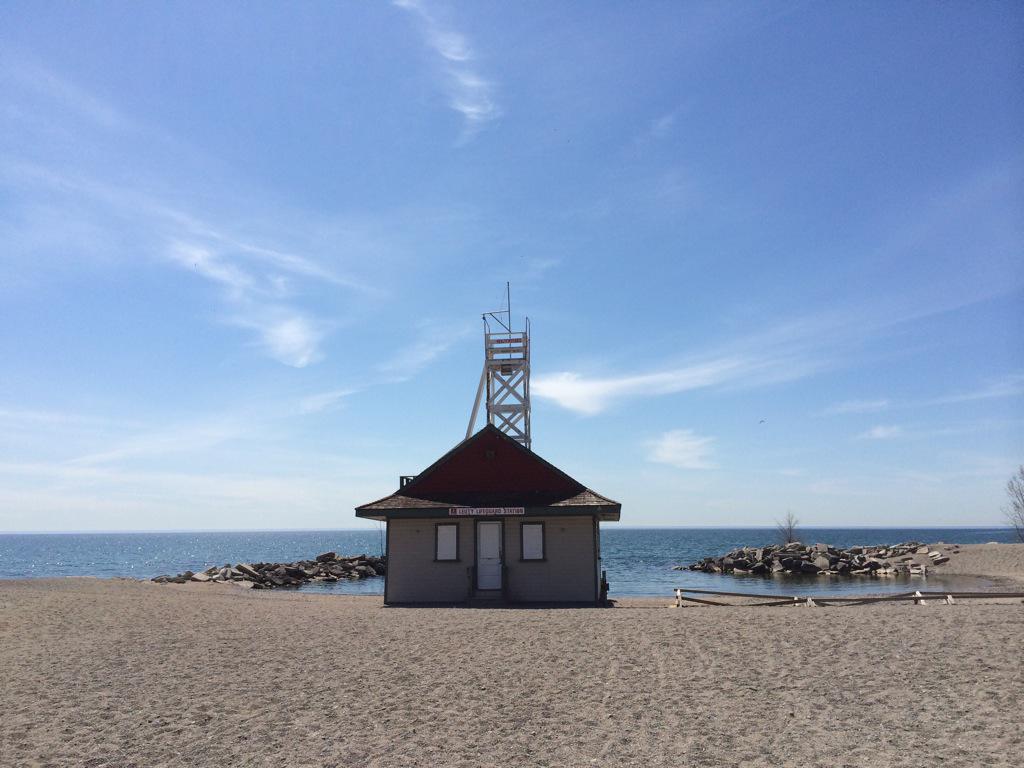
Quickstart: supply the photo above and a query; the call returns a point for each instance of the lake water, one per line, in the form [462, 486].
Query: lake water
[638, 561]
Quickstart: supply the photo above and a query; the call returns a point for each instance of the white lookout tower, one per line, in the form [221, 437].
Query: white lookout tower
[506, 375]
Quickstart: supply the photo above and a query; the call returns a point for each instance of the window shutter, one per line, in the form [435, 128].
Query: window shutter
[533, 541]
[447, 542]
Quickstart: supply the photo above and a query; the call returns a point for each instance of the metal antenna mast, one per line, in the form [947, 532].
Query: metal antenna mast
[506, 375]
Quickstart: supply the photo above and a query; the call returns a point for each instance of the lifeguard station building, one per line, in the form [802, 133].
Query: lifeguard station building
[491, 519]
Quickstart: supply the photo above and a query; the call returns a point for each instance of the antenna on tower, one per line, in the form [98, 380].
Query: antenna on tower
[506, 374]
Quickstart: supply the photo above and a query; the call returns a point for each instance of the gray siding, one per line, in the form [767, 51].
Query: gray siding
[567, 574]
[413, 576]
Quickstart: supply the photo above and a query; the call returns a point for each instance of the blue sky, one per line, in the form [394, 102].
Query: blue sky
[771, 254]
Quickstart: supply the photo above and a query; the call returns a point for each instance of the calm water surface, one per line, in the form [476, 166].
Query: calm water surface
[638, 561]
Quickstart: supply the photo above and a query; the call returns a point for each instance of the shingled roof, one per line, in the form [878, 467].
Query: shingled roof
[490, 469]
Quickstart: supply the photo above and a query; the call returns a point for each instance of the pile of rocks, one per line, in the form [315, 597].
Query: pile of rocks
[327, 567]
[911, 557]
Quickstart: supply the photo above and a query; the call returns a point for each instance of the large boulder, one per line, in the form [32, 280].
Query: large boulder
[326, 557]
[249, 572]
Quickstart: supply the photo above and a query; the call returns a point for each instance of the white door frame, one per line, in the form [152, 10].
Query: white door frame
[486, 576]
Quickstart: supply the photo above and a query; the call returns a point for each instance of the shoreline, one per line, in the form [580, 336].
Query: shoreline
[999, 564]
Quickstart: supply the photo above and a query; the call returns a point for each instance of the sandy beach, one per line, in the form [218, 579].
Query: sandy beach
[1003, 564]
[124, 673]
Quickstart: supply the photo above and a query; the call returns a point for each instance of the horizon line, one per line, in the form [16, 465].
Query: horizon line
[617, 527]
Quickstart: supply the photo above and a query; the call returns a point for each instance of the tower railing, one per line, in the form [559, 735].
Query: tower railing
[505, 377]
[507, 372]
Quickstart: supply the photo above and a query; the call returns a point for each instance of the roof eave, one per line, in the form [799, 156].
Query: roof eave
[604, 512]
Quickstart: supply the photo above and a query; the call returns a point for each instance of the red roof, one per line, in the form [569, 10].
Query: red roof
[491, 469]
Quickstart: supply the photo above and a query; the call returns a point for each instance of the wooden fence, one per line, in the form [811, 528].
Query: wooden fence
[918, 597]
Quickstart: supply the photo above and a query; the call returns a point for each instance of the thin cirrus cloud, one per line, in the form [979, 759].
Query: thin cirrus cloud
[434, 340]
[590, 395]
[28, 80]
[683, 449]
[857, 406]
[187, 438]
[469, 93]
[287, 334]
[259, 282]
[324, 401]
[782, 353]
[882, 432]
[1011, 385]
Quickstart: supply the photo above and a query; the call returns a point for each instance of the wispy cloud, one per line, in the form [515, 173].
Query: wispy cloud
[932, 433]
[469, 93]
[775, 356]
[211, 266]
[265, 287]
[282, 261]
[288, 334]
[188, 438]
[434, 340]
[683, 449]
[22, 73]
[38, 495]
[1011, 385]
[858, 406]
[786, 352]
[792, 472]
[882, 432]
[660, 127]
[591, 395]
[34, 418]
[258, 283]
[323, 401]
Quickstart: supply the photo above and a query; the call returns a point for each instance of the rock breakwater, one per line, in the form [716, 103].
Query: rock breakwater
[326, 567]
[910, 557]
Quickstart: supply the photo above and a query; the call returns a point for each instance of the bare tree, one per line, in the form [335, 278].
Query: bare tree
[1015, 509]
[787, 528]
